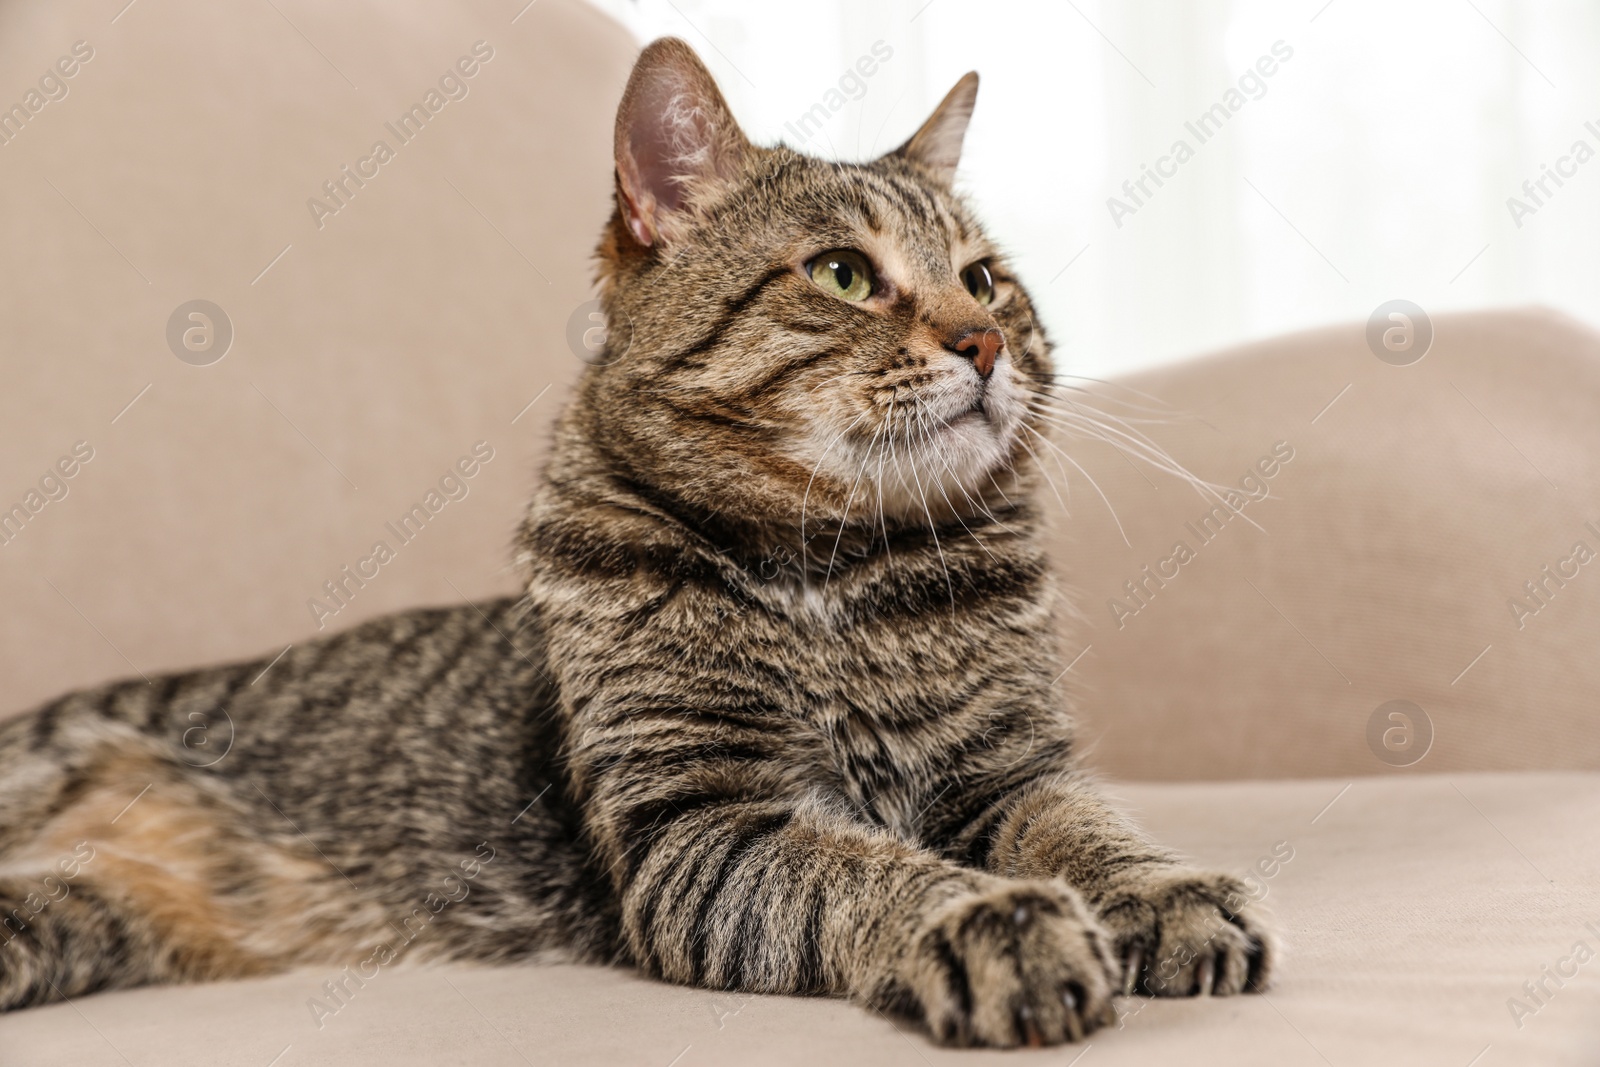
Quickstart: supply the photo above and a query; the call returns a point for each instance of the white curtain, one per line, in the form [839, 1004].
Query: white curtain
[1356, 151]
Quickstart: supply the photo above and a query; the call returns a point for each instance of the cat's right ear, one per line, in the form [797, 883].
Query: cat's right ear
[937, 145]
[675, 136]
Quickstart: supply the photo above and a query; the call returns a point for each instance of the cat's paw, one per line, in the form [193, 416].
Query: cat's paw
[1181, 932]
[1022, 964]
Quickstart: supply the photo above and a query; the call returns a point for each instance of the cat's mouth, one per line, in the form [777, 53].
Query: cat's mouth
[979, 410]
[933, 443]
[976, 413]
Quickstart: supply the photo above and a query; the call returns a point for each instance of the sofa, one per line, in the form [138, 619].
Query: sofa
[1333, 691]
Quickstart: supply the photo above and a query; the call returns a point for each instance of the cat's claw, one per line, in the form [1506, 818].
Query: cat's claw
[1132, 964]
[1018, 963]
[1182, 932]
[1074, 1023]
[1031, 1036]
[1208, 976]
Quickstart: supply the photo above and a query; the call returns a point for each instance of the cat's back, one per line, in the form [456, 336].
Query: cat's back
[432, 708]
[397, 782]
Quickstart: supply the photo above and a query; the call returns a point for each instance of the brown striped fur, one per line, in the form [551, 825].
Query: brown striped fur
[776, 713]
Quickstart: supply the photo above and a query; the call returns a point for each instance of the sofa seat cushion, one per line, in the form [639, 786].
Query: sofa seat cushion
[1414, 908]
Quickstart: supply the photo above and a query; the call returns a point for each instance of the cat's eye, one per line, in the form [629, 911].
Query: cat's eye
[842, 273]
[979, 282]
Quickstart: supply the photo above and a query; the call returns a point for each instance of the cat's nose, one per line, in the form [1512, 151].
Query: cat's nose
[982, 347]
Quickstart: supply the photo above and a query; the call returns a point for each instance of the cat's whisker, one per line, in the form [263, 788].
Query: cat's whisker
[843, 522]
[1096, 485]
[978, 505]
[1138, 446]
[1073, 413]
[930, 437]
[1045, 473]
[1093, 429]
[1009, 503]
[928, 513]
[806, 499]
[1066, 405]
[836, 377]
[1160, 405]
[885, 447]
[1110, 420]
[1130, 420]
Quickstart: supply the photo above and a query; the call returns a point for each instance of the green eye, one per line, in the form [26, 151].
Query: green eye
[979, 282]
[842, 273]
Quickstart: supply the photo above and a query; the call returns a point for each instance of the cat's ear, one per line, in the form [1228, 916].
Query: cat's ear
[937, 145]
[674, 134]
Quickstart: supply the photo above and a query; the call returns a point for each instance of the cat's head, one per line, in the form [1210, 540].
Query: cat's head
[791, 337]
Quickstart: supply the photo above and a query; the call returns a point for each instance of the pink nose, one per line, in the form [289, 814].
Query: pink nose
[983, 347]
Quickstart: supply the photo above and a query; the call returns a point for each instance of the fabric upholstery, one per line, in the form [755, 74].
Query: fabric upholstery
[418, 320]
[1382, 565]
[1414, 910]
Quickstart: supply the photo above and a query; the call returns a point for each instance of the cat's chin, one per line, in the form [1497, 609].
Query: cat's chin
[929, 473]
[939, 457]
[946, 473]
[973, 434]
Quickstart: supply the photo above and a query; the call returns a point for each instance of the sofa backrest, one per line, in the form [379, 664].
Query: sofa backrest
[1367, 608]
[381, 329]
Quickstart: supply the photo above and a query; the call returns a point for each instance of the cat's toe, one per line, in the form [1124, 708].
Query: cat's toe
[1026, 964]
[1182, 932]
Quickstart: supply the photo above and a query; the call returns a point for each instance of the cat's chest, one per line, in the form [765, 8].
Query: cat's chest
[899, 693]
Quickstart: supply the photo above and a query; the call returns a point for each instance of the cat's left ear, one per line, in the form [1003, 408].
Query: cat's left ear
[937, 145]
[675, 136]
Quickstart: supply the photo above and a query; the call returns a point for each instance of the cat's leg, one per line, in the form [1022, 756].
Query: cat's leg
[59, 940]
[727, 880]
[91, 896]
[122, 866]
[1179, 930]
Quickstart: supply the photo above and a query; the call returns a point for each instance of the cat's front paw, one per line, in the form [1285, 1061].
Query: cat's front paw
[1023, 964]
[1181, 932]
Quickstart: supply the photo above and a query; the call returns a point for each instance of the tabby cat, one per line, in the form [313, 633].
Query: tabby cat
[774, 713]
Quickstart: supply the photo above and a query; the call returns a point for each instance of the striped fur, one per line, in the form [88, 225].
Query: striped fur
[776, 712]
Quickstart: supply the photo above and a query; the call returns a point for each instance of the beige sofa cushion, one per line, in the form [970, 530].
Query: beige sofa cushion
[1419, 501]
[1414, 909]
[418, 320]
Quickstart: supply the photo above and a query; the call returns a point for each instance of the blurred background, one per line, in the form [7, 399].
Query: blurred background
[1375, 162]
[1172, 180]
